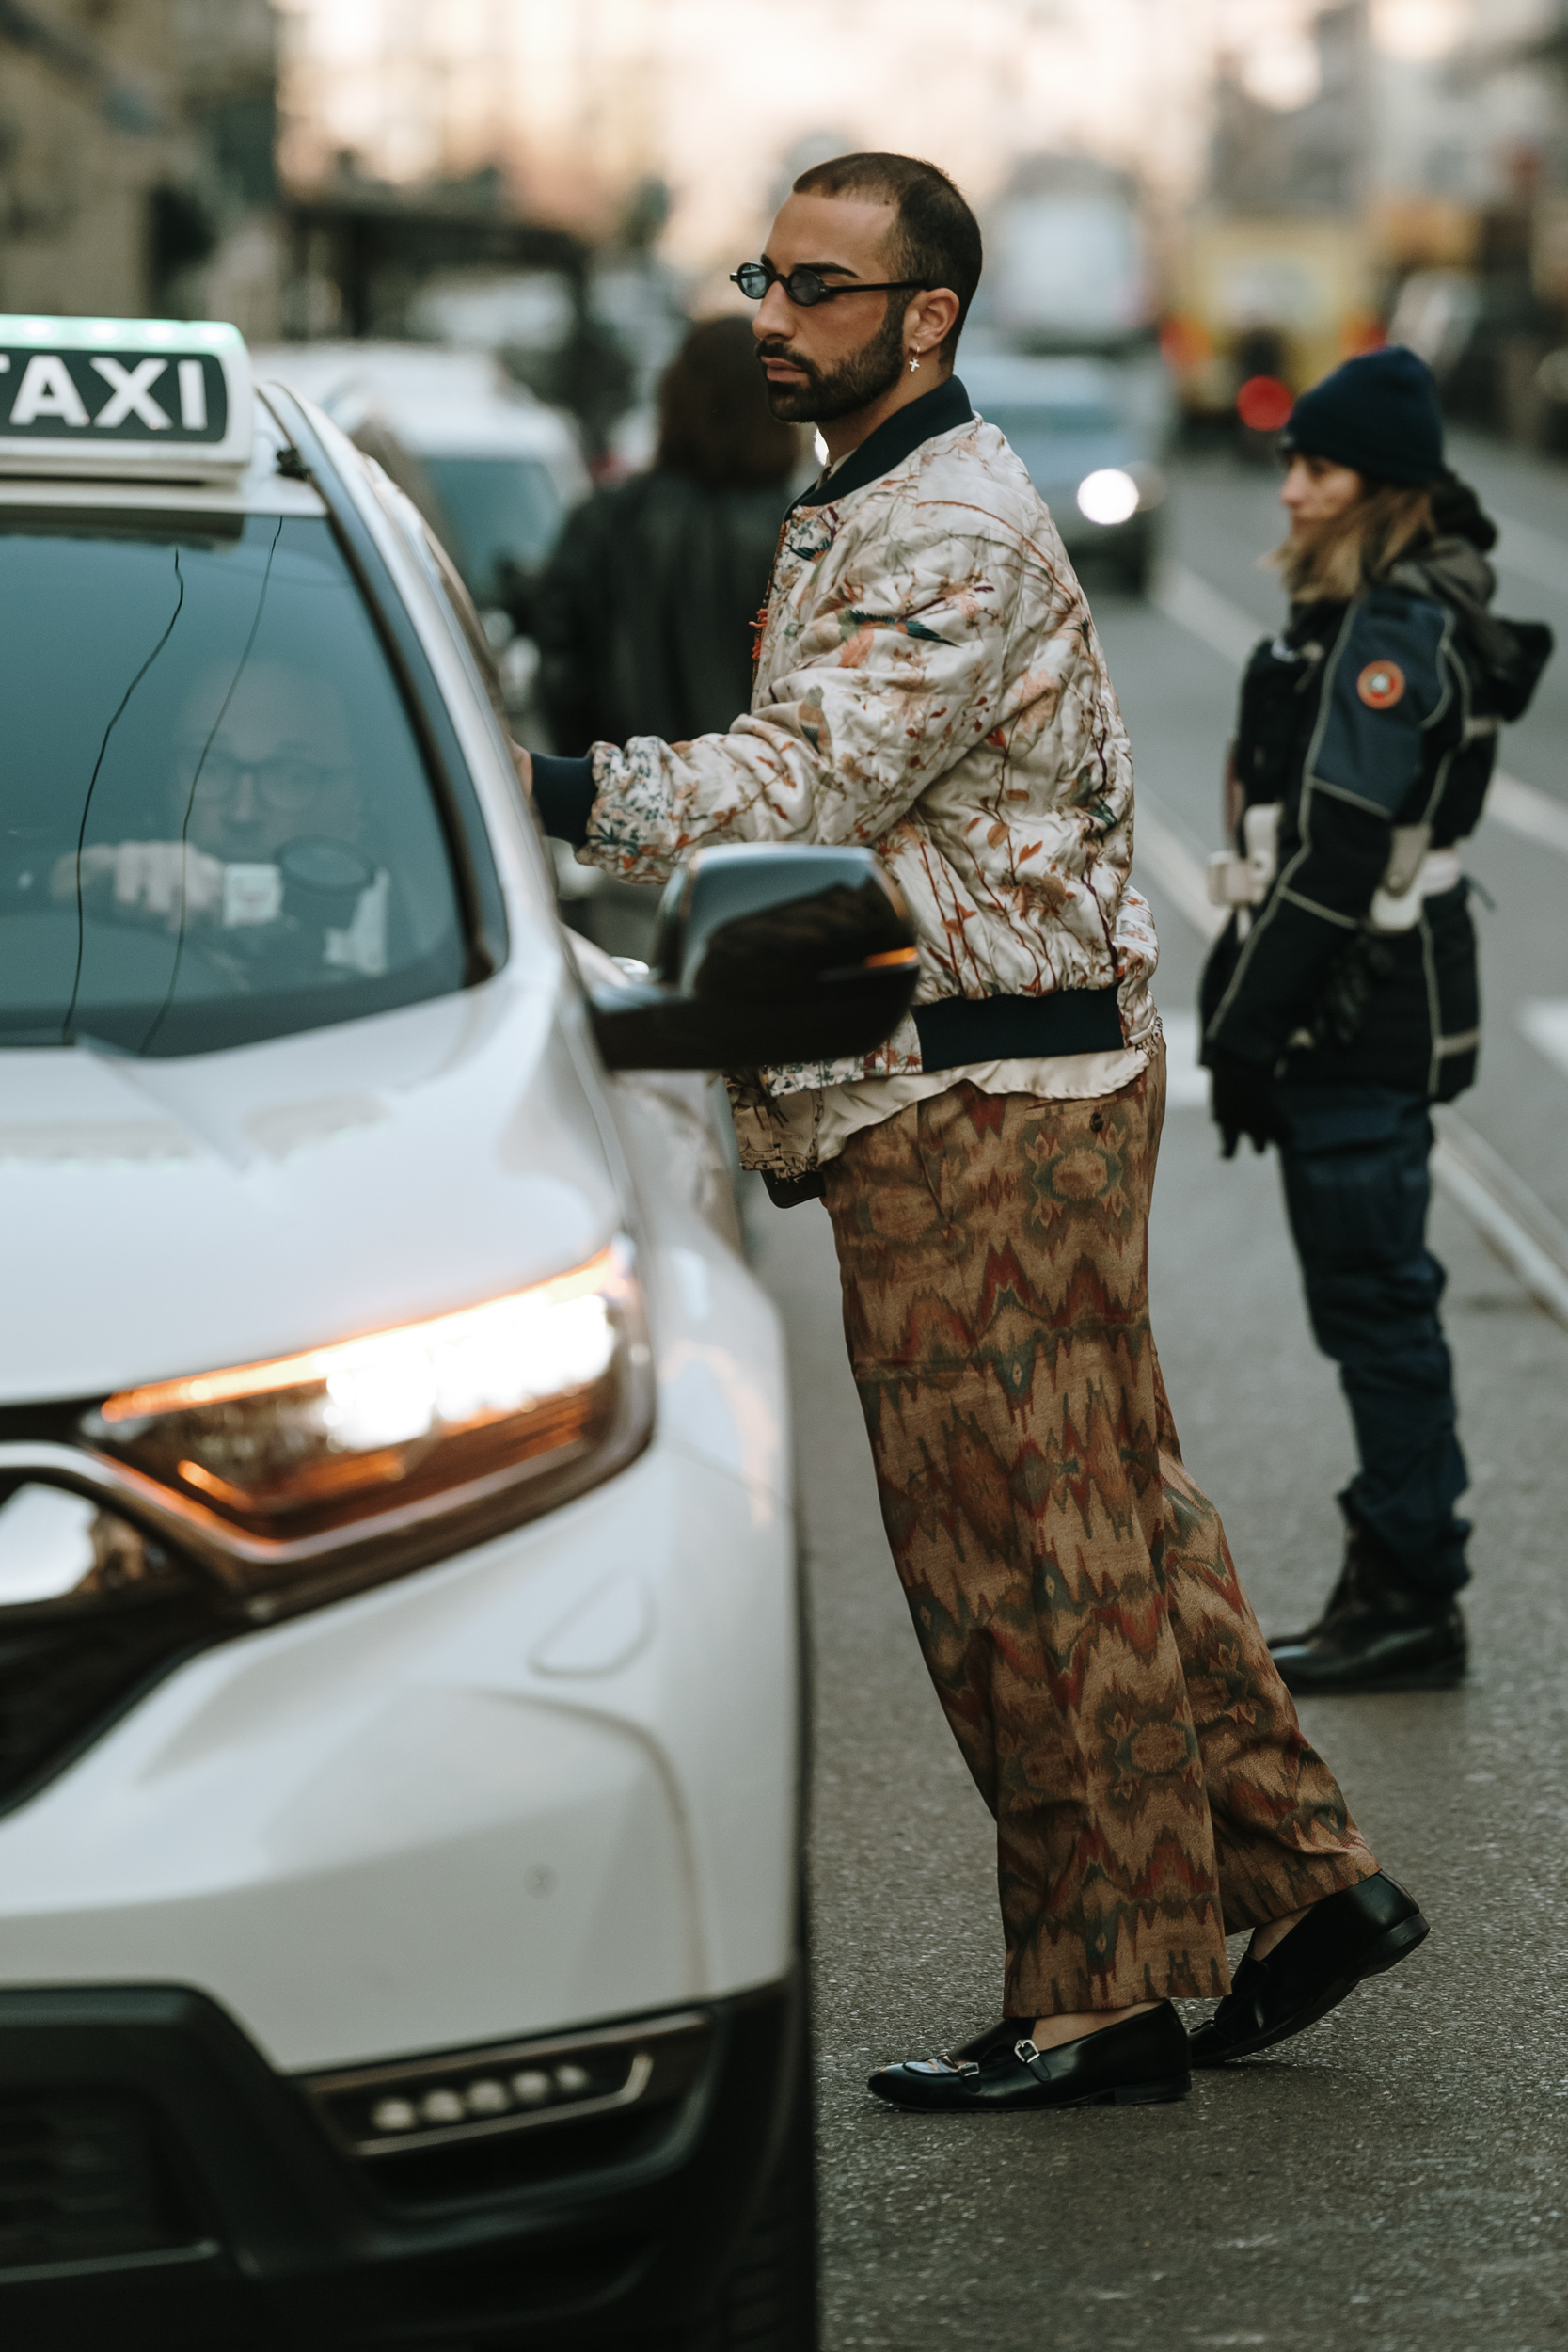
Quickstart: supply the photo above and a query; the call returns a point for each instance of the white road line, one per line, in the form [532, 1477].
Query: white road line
[1162, 855]
[1228, 631]
[1525, 810]
[1544, 1021]
[1535, 553]
[1507, 1214]
[1504, 1211]
[1186, 1084]
[1192, 605]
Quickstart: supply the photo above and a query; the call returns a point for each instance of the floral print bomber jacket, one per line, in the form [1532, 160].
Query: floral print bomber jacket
[928, 685]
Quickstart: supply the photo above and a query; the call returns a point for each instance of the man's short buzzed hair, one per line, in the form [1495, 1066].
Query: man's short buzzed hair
[936, 239]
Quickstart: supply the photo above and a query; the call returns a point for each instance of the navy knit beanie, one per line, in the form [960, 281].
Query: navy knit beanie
[1379, 414]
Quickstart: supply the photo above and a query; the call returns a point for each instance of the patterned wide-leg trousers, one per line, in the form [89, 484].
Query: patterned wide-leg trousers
[1071, 1589]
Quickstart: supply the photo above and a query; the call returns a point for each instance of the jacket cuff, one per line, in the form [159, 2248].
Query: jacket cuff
[564, 793]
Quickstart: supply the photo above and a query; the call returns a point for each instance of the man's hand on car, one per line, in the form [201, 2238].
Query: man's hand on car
[1243, 1101]
[523, 762]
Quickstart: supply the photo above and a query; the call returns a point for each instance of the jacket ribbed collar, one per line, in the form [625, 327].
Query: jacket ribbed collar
[921, 421]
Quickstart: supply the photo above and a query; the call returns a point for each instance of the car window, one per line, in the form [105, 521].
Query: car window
[446, 577]
[215, 823]
[418, 536]
[504, 514]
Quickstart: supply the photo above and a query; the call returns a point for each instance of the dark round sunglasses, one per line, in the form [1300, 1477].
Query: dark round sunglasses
[804, 287]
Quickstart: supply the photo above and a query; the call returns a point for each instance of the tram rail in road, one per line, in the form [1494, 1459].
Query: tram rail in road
[1510, 1216]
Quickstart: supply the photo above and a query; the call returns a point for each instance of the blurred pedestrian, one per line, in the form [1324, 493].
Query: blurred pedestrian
[930, 683]
[1341, 1000]
[647, 613]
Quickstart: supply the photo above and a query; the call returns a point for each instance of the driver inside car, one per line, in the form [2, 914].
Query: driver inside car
[264, 815]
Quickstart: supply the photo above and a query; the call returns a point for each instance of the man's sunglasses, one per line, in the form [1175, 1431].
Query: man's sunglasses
[804, 287]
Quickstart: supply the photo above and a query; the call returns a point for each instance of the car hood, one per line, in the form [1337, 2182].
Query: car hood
[170, 1217]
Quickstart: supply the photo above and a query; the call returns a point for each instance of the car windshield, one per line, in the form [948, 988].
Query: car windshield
[215, 823]
[505, 515]
[1050, 421]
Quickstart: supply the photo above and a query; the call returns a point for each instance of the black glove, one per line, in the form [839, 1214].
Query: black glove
[788, 1192]
[1243, 1102]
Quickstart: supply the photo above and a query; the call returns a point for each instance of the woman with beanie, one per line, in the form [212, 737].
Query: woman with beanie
[1341, 1000]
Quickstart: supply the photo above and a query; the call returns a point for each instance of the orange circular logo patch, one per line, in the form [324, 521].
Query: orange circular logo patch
[1379, 685]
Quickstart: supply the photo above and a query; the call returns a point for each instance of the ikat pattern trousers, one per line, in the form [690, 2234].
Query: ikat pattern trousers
[1071, 1588]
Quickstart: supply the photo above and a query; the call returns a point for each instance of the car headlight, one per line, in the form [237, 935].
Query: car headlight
[483, 1417]
[1108, 496]
[180, 1514]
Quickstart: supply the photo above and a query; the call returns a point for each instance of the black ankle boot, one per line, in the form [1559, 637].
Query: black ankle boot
[1337, 1600]
[1378, 1632]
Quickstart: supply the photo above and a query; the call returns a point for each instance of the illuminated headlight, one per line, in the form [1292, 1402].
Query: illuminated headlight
[495, 1411]
[1108, 496]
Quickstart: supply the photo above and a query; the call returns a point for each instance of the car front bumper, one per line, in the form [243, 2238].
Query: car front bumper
[556, 1778]
[183, 2194]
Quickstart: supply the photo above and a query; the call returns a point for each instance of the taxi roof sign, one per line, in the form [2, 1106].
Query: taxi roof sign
[163, 399]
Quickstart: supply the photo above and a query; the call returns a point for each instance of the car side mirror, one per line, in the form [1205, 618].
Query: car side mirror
[765, 954]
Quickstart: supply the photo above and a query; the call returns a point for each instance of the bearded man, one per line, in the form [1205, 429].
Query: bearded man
[929, 684]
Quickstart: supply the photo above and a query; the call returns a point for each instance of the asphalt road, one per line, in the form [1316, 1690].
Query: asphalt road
[1394, 2179]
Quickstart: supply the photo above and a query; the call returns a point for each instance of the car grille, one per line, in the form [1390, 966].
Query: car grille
[82, 2177]
[66, 1672]
[112, 1611]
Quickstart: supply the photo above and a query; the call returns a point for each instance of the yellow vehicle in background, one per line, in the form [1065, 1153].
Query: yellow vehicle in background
[1285, 297]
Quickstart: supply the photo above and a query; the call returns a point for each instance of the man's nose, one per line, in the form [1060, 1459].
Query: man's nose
[775, 315]
[242, 805]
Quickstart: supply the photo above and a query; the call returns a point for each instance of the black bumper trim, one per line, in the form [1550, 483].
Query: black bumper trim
[293, 2242]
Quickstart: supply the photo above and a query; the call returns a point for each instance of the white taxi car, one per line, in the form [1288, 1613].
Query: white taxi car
[400, 1664]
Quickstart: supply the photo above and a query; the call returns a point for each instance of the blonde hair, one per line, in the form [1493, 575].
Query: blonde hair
[1333, 561]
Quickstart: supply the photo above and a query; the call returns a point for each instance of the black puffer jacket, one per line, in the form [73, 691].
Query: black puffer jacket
[646, 615]
[1362, 717]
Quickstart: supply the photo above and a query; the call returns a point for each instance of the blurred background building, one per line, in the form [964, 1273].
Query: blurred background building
[137, 158]
[1264, 184]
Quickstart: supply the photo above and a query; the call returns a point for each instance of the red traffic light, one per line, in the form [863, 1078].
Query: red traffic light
[1264, 403]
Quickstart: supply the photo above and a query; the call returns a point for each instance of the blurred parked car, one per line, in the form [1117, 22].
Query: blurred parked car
[401, 1772]
[1066, 258]
[504, 469]
[1091, 437]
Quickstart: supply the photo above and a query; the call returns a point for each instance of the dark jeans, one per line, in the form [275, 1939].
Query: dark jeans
[1356, 1189]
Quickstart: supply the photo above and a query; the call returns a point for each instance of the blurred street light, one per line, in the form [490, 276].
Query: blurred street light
[1283, 72]
[1419, 32]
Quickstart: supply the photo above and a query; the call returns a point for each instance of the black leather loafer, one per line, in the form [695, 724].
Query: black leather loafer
[1347, 1936]
[1141, 2062]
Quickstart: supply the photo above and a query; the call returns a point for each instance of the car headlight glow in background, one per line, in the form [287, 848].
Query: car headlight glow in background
[1108, 496]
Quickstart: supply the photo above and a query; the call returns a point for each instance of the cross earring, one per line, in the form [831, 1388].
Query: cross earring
[914, 361]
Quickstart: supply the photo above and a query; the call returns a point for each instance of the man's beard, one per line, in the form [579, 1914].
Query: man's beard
[855, 382]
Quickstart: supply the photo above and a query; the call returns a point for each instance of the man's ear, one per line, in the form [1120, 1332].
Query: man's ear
[931, 317]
